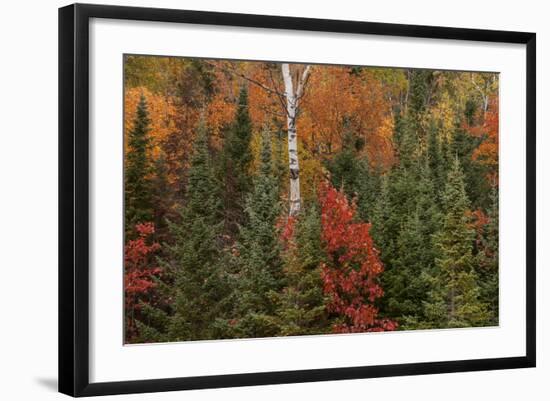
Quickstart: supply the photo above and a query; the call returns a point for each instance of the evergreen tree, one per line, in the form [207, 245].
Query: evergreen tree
[487, 258]
[382, 210]
[470, 109]
[350, 171]
[236, 158]
[477, 186]
[420, 82]
[436, 159]
[280, 158]
[344, 167]
[195, 258]
[406, 283]
[399, 199]
[302, 304]
[454, 298]
[137, 177]
[259, 249]
[162, 197]
[412, 258]
[368, 191]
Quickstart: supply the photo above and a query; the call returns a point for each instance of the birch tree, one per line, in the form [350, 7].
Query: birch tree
[294, 91]
[295, 80]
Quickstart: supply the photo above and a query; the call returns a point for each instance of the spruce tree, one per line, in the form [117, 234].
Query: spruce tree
[487, 258]
[302, 304]
[236, 158]
[138, 169]
[406, 284]
[454, 298]
[406, 280]
[344, 167]
[436, 159]
[368, 190]
[195, 257]
[463, 145]
[162, 197]
[261, 274]
[400, 193]
[420, 82]
[350, 171]
[280, 157]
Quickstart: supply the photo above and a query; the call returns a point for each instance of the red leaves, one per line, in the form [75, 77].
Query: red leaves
[487, 152]
[350, 275]
[139, 275]
[286, 226]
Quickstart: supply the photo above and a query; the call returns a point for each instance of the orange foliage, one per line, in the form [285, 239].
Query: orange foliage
[337, 100]
[162, 114]
[265, 106]
[220, 112]
[487, 152]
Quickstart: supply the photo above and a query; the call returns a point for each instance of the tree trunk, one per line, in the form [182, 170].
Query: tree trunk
[293, 95]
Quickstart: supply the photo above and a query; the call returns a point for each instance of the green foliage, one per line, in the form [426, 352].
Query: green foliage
[436, 159]
[236, 157]
[454, 298]
[261, 275]
[475, 173]
[487, 259]
[406, 218]
[351, 172]
[302, 304]
[138, 169]
[195, 258]
[162, 197]
[420, 91]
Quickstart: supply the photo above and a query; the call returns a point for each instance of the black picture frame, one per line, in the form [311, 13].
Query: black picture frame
[74, 199]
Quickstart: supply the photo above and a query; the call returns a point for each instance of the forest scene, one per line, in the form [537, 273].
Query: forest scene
[268, 199]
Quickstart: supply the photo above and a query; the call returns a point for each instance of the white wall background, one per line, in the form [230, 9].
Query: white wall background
[28, 200]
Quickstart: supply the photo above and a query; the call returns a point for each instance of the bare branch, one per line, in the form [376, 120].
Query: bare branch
[302, 84]
[233, 71]
[280, 95]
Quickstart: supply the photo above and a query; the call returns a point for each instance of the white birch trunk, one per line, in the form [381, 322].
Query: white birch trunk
[293, 96]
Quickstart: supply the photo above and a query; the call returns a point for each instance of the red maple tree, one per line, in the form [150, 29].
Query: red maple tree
[350, 274]
[139, 274]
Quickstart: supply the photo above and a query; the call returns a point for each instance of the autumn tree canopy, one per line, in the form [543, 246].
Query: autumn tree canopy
[270, 199]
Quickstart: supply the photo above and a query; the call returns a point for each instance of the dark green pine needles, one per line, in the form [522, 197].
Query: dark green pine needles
[138, 170]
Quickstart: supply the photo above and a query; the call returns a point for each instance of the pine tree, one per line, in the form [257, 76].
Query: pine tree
[236, 158]
[194, 258]
[436, 159]
[280, 157]
[381, 213]
[412, 258]
[368, 191]
[419, 97]
[478, 189]
[162, 197]
[350, 171]
[406, 284]
[259, 249]
[302, 304]
[138, 169]
[344, 167]
[454, 298]
[487, 258]
[399, 197]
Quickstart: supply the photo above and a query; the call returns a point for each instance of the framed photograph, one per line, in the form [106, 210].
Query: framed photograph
[249, 199]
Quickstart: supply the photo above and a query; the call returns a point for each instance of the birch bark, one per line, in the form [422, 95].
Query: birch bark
[293, 94]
